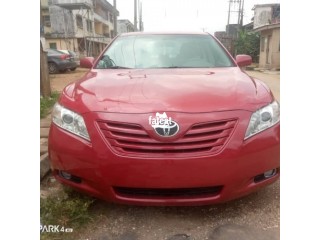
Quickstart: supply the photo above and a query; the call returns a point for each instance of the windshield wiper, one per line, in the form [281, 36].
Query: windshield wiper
[118, 67]
[170, 67]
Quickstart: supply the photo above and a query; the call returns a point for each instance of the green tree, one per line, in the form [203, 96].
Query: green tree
[248, 43]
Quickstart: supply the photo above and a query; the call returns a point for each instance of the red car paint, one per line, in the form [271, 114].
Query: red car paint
[124, 99]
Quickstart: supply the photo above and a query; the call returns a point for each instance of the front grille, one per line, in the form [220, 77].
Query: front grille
[199, 138]
[168, 192]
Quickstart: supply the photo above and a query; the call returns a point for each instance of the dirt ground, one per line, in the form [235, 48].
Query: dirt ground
[60, 80]
[255, 217]
[271, 78]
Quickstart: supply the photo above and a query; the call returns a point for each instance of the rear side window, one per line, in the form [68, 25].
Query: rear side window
[165, 51]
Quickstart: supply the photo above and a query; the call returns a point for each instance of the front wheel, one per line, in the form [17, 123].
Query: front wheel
[73, 69]
[52, 67]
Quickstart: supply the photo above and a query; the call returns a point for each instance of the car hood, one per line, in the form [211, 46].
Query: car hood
[156, 90]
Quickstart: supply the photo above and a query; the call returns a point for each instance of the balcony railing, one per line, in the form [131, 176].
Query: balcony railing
[99, 38]
[72, 4]
[102, 20]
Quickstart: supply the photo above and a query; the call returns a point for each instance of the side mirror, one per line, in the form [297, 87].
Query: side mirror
[86, 62]
[243, 60]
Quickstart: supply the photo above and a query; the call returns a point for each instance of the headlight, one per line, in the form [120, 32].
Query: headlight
[264, 118]
[69, 121]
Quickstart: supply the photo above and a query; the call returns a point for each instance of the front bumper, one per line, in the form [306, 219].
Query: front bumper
[102, 171]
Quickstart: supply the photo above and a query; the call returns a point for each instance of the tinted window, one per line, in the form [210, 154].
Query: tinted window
[165, 51]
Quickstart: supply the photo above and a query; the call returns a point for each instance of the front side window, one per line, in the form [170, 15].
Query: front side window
[165, 51]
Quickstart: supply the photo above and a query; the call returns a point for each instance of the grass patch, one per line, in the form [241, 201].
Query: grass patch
[66, 209]
[47, 103]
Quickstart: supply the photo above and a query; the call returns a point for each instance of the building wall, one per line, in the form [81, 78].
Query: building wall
[125, 26]
[64, 44]
[274, 49]
[262, 16]
[275, 57]
[106, 27]
[226, 40]
[86, 16]
[65, 32]
[105, 16]
[122, 28]
[44, 3]
[62, 22]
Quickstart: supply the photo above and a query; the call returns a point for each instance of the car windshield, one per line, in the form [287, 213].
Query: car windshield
[165, 51]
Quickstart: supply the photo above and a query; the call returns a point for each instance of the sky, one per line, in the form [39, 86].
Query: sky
[193, 15]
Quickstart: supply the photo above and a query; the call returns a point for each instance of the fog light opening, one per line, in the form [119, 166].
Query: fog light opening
[65, 175]
[69, 177]
[266, 175]
[270, 173]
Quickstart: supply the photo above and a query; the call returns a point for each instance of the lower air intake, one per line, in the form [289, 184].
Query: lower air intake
[168, 192]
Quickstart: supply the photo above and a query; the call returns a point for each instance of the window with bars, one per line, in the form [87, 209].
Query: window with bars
[53, 45]
[89, 25]
[46, 21]
[79, 21]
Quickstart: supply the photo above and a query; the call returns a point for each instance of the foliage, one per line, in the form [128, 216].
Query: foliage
[47, 103]
[69, 210]
[248, 43]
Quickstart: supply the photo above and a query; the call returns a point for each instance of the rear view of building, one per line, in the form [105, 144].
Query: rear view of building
[267, 22]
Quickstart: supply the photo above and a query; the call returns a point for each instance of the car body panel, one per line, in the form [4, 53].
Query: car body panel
[101, 168]
[73, 54]
[137, 91]
[137, 159]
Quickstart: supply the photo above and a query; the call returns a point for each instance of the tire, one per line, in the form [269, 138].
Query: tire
[53, 68]
[73, 69]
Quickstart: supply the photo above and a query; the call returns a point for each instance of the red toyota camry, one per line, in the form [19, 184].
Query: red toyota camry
[166, 119]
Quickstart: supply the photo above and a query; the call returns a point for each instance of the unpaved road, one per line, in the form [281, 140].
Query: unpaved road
[272, 79]
[255, 217]
[60, 80]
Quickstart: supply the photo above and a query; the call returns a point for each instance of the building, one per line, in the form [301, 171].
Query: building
[83, 26]
[124, 26]
[226, 40]
[248, 27]
[267, 22]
